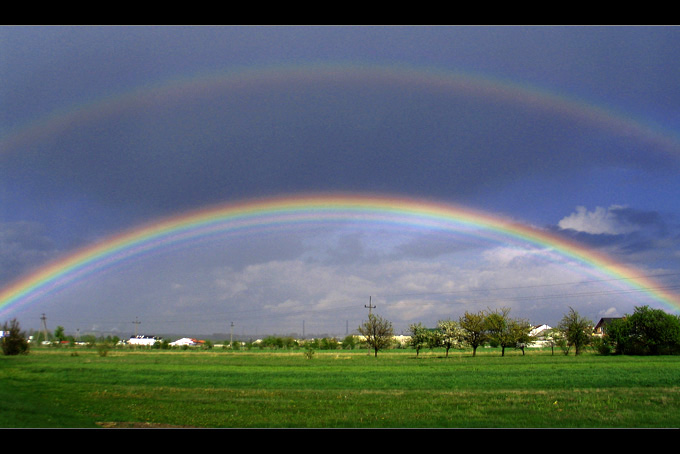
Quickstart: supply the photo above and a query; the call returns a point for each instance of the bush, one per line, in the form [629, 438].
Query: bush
[103, 349]
[645, 332]
[14, 343]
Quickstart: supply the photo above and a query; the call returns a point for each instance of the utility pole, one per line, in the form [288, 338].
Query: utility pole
[44, 326]
[231, 336]
[136, 322]
[369, 307]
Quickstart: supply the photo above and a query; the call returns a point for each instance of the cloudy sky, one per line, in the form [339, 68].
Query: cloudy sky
[568, 129]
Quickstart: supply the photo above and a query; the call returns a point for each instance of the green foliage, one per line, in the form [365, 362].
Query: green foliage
[420, 336]
[103, 348]
[377, 332]
[646, 332]
[15, 342]
[278, 342]
[520, 330]
[474, 329]
[498, 330]
[576, 331]
[59, 335]
[349, 342]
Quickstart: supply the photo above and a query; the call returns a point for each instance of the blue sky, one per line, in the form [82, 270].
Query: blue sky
[610, 189]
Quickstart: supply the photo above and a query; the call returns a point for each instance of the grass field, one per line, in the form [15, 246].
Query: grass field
[341, 389]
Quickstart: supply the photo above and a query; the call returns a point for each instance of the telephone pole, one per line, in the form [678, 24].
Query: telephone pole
[369, 307]
[44, 326]
[231, 336]
[136, 322]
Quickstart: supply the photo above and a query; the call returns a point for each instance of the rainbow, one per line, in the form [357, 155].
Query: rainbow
[251, 215]
[433, 79]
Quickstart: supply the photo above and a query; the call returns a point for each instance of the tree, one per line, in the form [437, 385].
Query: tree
[349, 342]
[577, 330]
[419, 336]
[59, 334]
[473, 330]
[14, 340]
[498, 329]
[450, 334]
[646, 332]
[505, 332]
[377, 332]
[521, 333]
[552, 338]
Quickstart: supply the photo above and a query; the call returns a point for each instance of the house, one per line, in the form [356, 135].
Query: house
[539, 332]
[601, 327]
[186, 341]
[144, 340]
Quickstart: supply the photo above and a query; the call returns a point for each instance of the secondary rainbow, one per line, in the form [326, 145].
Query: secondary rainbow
[288, 211]
[254, 78]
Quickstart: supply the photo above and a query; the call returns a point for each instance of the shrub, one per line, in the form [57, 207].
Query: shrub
[14, 342]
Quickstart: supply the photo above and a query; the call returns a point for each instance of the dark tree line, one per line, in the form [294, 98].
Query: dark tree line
[645, 332]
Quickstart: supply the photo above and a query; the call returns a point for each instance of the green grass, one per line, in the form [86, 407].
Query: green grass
[54, 388]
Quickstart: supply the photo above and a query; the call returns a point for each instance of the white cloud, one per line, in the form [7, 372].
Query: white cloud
[189, 289]
[609, 312]
[599, 221]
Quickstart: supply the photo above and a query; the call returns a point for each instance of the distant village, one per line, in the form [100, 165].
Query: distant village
[540, 334]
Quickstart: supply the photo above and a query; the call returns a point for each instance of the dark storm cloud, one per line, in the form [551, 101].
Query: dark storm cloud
[23, 247]
[179, 155]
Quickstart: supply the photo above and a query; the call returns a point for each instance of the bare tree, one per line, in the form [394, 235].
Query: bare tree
[377, 331]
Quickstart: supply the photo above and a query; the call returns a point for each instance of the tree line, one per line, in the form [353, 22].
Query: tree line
[645, 332]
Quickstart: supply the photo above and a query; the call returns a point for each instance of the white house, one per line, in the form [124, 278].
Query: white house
[539, 332]
[143, 340]
[184, 341]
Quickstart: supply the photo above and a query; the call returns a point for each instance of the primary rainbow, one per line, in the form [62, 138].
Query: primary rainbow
[288, 211]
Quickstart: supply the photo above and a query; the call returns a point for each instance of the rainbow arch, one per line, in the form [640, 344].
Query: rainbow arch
[250, 215]
[474, 84]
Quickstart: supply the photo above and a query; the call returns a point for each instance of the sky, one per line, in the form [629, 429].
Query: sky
[573, 131]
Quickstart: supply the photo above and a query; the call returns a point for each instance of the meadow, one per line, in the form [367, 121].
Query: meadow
[77, 387]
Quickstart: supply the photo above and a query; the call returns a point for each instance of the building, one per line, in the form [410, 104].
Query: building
[143, 340]
[601, 327]
[186, 341]
[539, 330]
[541, 333]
